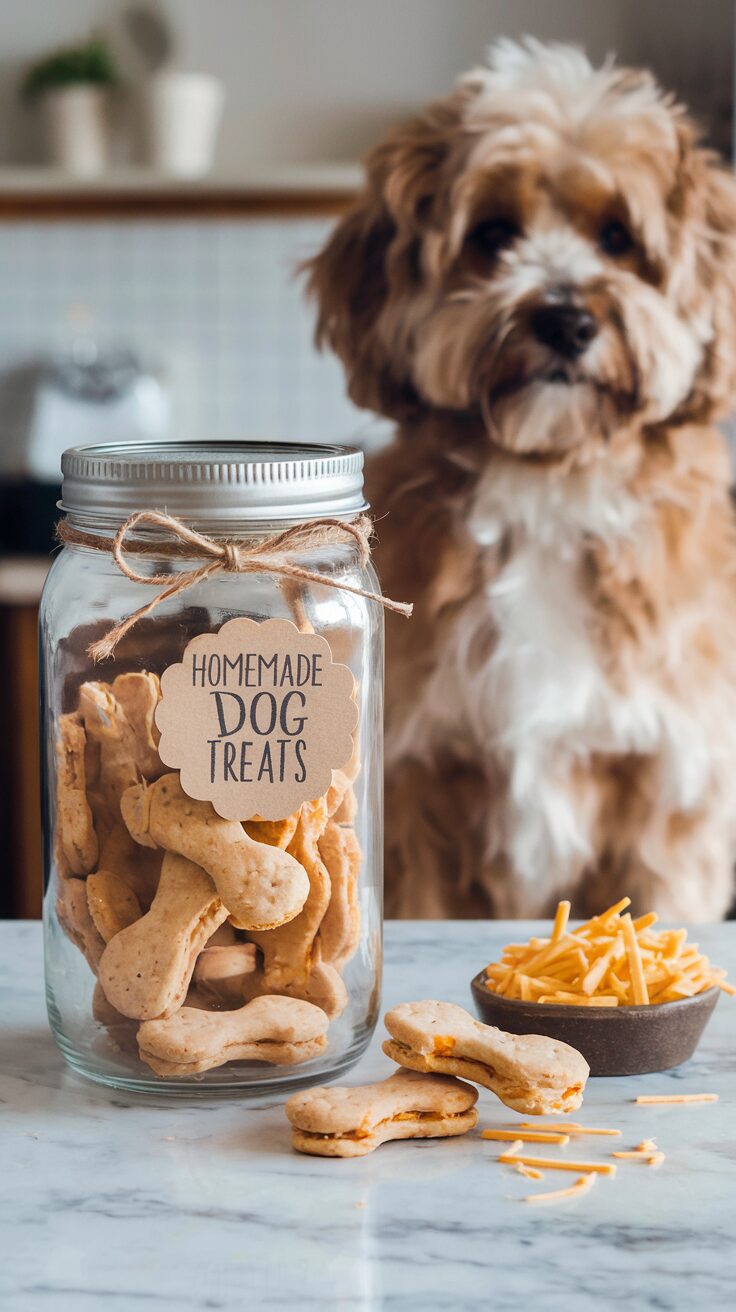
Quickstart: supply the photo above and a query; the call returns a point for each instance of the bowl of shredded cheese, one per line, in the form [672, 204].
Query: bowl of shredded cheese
[629, 997]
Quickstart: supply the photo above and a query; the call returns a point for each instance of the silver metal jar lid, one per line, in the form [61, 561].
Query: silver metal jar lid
[213, 482]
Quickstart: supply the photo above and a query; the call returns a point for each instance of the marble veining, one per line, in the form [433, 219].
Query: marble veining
[129, 1204]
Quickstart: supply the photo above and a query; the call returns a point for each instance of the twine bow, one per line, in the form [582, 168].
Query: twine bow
[269, 556]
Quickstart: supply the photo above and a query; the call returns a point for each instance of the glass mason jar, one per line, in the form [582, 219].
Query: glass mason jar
[212, 792]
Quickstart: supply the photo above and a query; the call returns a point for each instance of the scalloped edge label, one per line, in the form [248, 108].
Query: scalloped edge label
[255, 717]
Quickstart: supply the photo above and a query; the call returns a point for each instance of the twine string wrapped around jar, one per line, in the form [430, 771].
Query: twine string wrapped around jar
[270, 555]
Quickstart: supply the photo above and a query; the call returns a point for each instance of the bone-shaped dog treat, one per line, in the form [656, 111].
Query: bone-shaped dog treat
[75, 919]
[339, 932]
[528, 1072]
[77, 839]
[288, 951]
[323, 986]
[145, 969]
[112, 904]
[260, 885]
[138, 694]
[343, 1122]
[279, 1030]
[106, 725]
[221, 973]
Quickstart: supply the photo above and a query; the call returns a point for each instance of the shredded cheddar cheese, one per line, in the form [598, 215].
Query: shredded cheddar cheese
[581, 1186]
[676, 1097]
[611, 960]
[527, 1136]
[567, 1127]
[529, 1172]
[558, 1164]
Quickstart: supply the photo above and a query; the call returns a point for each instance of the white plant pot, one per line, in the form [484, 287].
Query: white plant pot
[77, 129]
[182, 114]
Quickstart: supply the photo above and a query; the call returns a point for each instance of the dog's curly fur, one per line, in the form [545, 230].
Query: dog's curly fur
[562, 708]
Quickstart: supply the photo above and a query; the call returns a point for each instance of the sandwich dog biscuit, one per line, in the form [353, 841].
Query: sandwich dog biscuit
[528, 1072]
[343, 1122]
[278, 1030]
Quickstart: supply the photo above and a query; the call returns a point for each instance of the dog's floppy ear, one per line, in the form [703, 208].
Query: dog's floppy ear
[720, 273]
[372, 259]
[712, 218]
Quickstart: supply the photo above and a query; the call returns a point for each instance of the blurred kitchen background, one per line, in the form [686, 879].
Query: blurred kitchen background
[163, 169]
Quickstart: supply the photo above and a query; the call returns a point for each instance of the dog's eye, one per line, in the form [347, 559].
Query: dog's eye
[491, 236]
[615, 238]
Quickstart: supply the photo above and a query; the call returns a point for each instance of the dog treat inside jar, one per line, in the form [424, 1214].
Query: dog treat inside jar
[212, 653]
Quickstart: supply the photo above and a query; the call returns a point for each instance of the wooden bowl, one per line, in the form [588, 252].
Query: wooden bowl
[613, 1040]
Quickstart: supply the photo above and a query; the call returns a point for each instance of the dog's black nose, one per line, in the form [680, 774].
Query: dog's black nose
[567, 329]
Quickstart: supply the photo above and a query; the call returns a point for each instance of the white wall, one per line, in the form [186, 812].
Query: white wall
[319, 79]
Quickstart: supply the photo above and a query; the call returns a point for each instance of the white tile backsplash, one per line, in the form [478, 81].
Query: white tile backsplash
[215, 306]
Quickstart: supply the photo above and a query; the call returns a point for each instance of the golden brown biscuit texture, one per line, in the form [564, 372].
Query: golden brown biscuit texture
[339, 931]
[74, 917]
[528, 1072]
[270, 1029]
[112, 904]
[261, 886]
[351, 1122]
[146, 969]
[288, 950]
[138, 694]
[76, 835]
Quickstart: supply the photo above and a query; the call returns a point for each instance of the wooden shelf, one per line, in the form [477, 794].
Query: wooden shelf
[45, 194]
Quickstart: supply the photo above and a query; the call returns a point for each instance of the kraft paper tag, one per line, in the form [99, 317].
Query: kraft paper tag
[256, 717]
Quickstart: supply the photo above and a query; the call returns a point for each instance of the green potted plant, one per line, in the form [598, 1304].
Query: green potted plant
[73, 85]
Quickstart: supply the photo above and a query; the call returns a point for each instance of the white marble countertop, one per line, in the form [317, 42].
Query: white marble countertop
[111, 1202]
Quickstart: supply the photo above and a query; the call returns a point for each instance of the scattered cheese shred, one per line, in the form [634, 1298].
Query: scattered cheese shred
[676, 1097]
[559, 1164]
[611, 960]
[527, 1136]
[529, 1172]
[568, 1127]
[646, 1151]
[581, 1186]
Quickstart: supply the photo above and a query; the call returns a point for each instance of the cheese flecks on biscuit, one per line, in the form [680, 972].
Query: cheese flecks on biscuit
[530, 1073]
[351, 1122]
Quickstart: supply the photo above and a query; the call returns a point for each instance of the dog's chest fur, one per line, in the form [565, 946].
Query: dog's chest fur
[523, 682]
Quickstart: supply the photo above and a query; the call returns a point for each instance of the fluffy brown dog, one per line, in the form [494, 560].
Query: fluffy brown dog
[539, 284]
